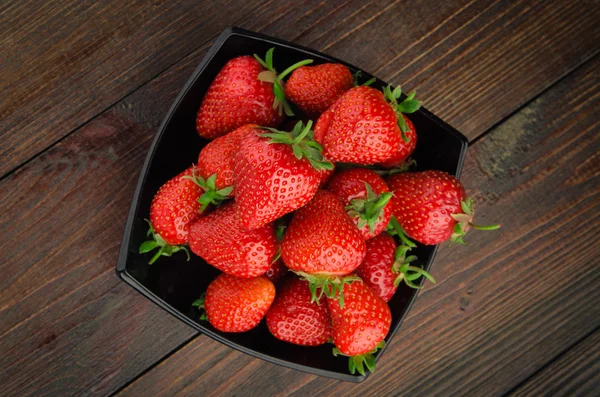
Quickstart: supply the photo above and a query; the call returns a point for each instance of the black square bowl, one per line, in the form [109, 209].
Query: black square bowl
[174, 283]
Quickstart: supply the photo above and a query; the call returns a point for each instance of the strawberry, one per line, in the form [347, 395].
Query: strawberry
[235, 304]
[322, 243]
[275, 173]
[174, 207]
[216, 161]
[314, 88]
[405, 149]
[432, 206]
[294, 318]
[220, 239]
[361, 127]
[246, 90]
[366, 197]
[386, 265]
[360, 326]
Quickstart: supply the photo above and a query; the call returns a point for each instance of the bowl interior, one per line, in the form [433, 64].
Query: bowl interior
[173, 283]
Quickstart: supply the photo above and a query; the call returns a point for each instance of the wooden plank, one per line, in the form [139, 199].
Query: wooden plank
[505, 304]
[64, 62]
[71, 203]
[576, 373]
[461, 56]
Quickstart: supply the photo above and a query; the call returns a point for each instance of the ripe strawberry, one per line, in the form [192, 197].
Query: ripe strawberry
[432, 206]
[217, 157]
[360, 326]
[366, 197]
[386, 265]
[405, 149]
[276, 173]
[315, 88]
[220, 239]
[322, 243]
[247, 90]
[174, 207]
[294, 318]
[235, 304]
[361, 127]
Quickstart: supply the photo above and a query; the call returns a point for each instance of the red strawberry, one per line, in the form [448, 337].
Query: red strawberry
[315, 88]
[360, 326]
[362, 127]
[294, 318]
[385, 266]
[235, 304]
[174, 207]
[322, 243]
[216, 158]
[246, 91]
[276, 173]
[432, 206]
[366, 197]
[405, 149]
[221, 240]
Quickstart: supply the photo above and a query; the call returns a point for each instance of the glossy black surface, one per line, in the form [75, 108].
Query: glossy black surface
[174, 284]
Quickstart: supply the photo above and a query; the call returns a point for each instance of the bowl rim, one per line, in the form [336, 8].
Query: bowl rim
[121, 269]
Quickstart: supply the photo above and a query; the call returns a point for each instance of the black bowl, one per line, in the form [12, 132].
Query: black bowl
[173, 283]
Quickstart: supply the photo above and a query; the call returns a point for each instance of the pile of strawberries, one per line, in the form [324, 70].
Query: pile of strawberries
[327, 214]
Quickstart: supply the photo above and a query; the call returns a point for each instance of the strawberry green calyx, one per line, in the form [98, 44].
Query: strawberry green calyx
[271, 76]
[157, 241]
[199, 303]
[402, 263]
[358, 363]
[407, 106]
[368, 209]
[279, 232]
[303, 144]
[406, 272]
[357, 76]
[464, 222]
[330, 286]
[211, 194]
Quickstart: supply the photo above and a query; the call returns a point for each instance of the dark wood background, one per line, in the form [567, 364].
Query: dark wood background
[84, 85]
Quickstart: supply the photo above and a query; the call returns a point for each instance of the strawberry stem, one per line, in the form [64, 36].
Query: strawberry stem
[358, 363]
[464, 222]
[270, 76]
[357, 77]
[397, 230]
[303, 144]
[157, 241]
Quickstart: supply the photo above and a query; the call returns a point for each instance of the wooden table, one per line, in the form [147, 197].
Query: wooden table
[84, 86]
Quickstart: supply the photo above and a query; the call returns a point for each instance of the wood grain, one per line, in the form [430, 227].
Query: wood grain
[64, 62]
[62, 214]
[106, 51]
[505, 304]
[576, 373]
